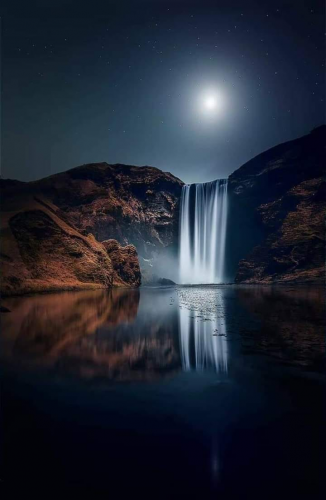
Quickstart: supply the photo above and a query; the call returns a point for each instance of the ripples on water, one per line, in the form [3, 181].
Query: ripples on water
[194, 384]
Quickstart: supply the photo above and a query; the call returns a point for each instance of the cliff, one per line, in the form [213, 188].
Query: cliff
[52, 229]
[133, 205]
[42, 252]
[277, 211]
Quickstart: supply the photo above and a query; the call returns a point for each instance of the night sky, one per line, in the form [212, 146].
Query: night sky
[125, 82]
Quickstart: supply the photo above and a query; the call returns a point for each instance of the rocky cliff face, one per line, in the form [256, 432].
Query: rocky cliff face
[133, 205]
[41, 252]
[52, 229]
[277, 212]
[124, 262]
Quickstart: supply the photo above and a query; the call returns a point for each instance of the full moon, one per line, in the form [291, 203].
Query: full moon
[211, 102]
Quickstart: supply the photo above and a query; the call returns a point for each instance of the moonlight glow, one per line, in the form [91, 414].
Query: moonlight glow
[211, 103]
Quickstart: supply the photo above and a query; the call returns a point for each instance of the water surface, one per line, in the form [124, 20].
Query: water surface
[213, 392]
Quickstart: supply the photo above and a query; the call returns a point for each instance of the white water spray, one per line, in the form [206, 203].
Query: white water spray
[203, 216]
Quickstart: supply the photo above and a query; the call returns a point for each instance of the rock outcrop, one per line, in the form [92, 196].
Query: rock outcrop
[277, 214]
[52, 229]
[42, 252]
[134, 205]
[124, 261]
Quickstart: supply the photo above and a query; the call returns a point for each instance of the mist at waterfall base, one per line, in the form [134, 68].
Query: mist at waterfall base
[202, 233]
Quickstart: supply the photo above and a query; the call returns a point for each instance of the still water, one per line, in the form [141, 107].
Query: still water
[181, 392]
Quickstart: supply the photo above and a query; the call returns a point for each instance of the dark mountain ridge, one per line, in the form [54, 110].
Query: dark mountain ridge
[277, 204]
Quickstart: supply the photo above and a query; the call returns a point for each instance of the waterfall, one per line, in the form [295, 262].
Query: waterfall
[203, 215]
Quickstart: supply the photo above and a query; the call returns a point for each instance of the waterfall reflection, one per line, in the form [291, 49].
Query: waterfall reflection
[203, 340]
